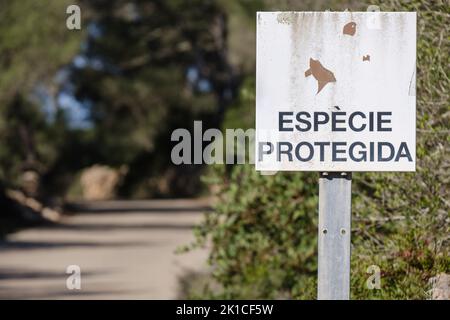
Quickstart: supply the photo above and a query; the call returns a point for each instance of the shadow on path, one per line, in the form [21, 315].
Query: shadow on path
[125, 250]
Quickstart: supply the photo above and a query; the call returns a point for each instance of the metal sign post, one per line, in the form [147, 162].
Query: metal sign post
[334, 236]
[335, 92]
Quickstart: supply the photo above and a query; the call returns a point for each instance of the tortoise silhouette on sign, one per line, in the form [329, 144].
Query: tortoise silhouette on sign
[320, 73]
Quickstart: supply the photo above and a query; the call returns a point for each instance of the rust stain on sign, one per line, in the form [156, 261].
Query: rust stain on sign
[366, 57]
[320, 73]
[349, 29]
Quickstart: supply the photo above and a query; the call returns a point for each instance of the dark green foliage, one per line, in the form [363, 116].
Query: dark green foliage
[34, 44]
[137, 56]
[142, 93]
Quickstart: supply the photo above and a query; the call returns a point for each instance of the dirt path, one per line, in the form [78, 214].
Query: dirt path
[125, 250]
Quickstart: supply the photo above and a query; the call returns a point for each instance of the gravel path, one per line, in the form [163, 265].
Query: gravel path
[125, 250]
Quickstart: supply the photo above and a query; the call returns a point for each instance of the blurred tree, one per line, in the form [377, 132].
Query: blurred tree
[34, 44]
[147, 68]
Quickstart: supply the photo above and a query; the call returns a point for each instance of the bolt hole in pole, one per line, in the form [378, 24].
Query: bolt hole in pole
[334, 236]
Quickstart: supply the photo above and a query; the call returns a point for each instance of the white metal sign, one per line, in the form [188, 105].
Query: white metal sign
[335, 91]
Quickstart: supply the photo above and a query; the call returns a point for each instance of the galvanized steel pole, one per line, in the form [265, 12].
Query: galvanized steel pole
[334, 236]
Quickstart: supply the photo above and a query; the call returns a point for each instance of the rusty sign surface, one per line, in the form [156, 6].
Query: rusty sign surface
[335, 91]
